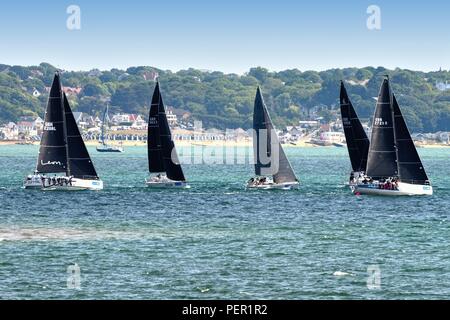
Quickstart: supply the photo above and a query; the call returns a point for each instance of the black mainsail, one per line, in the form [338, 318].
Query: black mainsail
[382, 158]
[154, 148]
[269, 155]
[410, 167]
[262, 142]
[355, 135]
[62, 148]
[53, 148]
[162, 154]
[79, 162]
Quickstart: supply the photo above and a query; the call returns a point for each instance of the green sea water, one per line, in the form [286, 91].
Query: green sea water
[218, 240]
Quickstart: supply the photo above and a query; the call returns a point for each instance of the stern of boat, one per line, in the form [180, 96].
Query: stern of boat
[82, 184]
[415, 189]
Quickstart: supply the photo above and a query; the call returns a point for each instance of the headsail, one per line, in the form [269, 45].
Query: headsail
[355, 135]
[270, 158]
[79, 162]
[169, 152]
[382, 158]
[285, 172]
[410, 167]
[161, 148]
[53, 150]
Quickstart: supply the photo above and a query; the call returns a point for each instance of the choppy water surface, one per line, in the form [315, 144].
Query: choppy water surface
[217, 240]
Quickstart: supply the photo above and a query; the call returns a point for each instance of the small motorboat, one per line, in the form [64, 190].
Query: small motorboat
[109, 148]
[339, 144]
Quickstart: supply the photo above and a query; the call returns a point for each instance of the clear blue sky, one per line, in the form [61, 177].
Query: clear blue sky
[230, 36]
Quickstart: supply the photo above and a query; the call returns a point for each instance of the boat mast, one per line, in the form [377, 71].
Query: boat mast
[103, 128]
[391, 96]
[103, 125]
[65, 129]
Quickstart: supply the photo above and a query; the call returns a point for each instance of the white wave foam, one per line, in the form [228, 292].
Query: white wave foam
[341, 274]
[44, 234]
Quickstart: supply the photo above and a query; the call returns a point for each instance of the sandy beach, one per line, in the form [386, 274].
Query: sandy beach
[229, 143]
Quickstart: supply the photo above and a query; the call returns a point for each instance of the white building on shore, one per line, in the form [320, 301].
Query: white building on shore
[332, 137]
[171, 118]
[9, 132]
[441, 86]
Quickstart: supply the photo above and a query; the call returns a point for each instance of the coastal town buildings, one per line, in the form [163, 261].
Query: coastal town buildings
[133, 127]
[443, 86]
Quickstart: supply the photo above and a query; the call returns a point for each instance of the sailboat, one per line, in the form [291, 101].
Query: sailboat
[63, 162]
[272, 167]
[164, 166]
[104, 146]
[393, 164]
[355, 136]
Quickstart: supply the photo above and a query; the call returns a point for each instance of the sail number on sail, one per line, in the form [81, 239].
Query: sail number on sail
[346, 121]
[152, 120]
[380, 122]
[48, 126]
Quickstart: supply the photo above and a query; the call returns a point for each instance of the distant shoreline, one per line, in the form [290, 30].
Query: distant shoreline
[239, 143]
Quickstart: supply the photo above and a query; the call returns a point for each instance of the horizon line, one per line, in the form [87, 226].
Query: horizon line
[441, 69]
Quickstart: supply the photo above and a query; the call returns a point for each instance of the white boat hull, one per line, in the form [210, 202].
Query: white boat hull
[167, 184]
[76, 184]
[110, 149]
[275, 186]
[403, 189]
